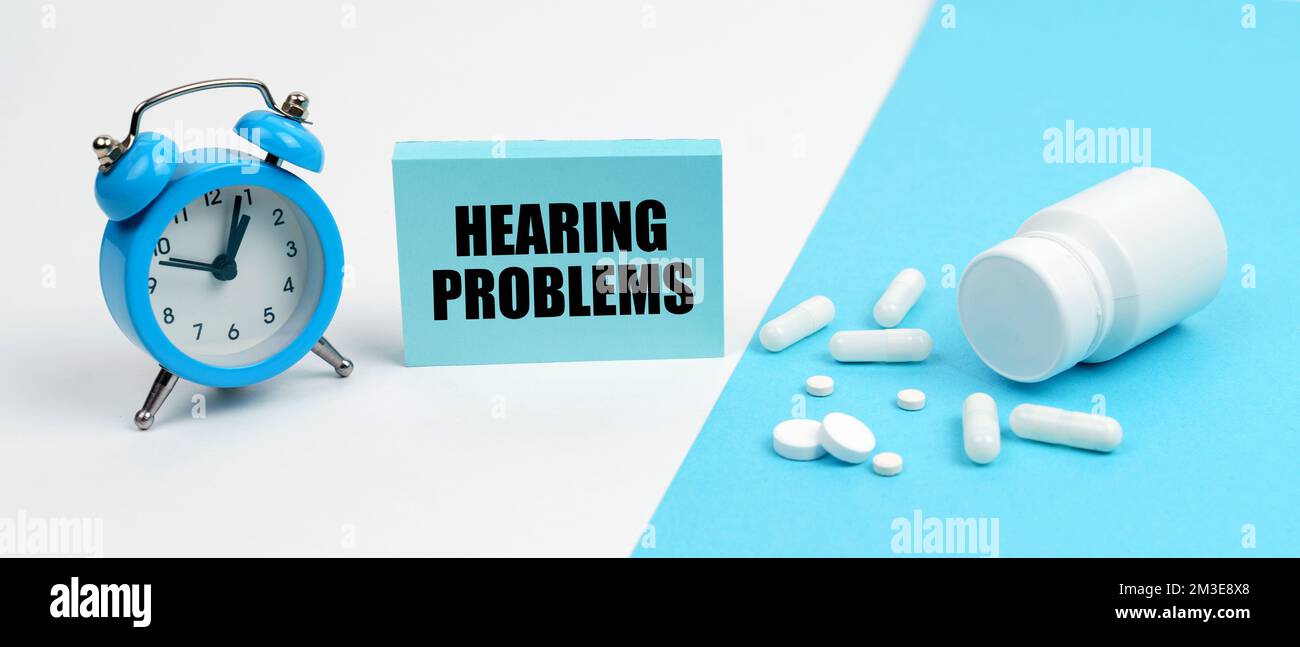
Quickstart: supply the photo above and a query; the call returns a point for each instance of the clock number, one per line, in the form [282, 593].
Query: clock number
[248, 193]
[168, 317]
[268, 316]
[183, 216]
[279, 217]
[233, 333]
[164, 247]
[153, 283]
[293, 249]
[288, 285]
[212, 197]
[198, 334]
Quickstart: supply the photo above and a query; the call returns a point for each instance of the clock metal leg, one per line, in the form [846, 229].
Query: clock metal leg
[326, 351]
[162, 387]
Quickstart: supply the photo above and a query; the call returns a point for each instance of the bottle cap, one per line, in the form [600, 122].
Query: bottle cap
[1031, 307]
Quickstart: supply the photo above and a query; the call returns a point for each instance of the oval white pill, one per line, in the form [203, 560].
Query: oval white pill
[1061, 427]
[798, 440]
[820, 385]
[911, 399]
[980, 431]
[846, 437]
[796, 323]
[897, 345]
[899, 298]
[887, 464]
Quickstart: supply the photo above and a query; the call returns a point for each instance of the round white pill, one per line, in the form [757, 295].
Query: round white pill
[887, 464]
[797, 439]
[911, 399]
[846, 437]
[820, 385]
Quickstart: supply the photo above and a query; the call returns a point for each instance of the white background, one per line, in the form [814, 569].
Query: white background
[546, 459]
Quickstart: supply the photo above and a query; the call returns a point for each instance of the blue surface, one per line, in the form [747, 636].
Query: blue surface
[128, 245]
[953, 163]
[431, 179]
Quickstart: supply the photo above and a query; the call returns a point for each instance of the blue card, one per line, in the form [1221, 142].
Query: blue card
[542, 251]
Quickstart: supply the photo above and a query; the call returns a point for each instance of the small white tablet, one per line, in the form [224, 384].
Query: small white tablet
[797, 440]
[846, 437]
[887, 464]
[820, 385]
[911, 399]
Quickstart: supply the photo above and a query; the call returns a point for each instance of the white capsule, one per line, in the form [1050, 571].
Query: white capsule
[819, 385]
[797, 322]
[899, 297]
[798, 439]
[846, 437]
[897, 345]
[887, 464]
[980, 431]
[1061, 427]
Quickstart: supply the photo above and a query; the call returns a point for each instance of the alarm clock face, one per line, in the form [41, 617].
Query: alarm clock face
[235, 276]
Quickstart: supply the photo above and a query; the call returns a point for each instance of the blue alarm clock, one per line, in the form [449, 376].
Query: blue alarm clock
[225, 267]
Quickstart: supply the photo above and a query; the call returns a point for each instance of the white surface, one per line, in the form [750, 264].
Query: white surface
[981, 430]
[911, 399]
[525, 459]
[887, 464]
[805, 318]
[819, 385]
[846, 437]
[892, 345]
[899, 297]
[797, 439]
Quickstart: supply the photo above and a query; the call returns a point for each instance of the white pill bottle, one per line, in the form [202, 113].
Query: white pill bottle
[1094, 275]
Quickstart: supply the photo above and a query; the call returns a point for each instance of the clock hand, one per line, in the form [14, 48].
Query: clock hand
[237, 238]
[222, 267]
[234, 224]
[189, 265]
